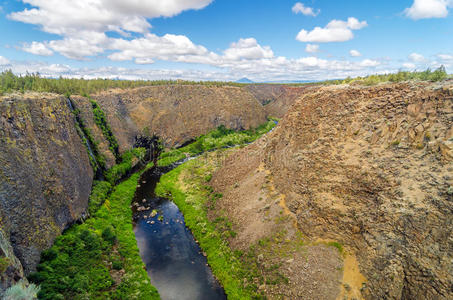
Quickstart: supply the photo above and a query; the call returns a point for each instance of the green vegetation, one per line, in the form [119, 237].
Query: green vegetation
[115, 173]
[240, 272]
[428, 75]
[98, 161]
[69, 86]
[99, 193]
[336, 245]
[226, 265]
[4, 264]
[101, 121]
[21, 291]
[82, 262]
[216, 139]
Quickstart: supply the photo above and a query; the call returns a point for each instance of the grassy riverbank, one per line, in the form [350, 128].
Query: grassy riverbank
[98, 259]
[216, 139]
[194, 198]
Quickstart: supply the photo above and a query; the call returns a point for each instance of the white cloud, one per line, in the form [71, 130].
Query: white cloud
[3, 61]
[369, 63]
[302, 9]
[68, 17]
[445, 57]
[425, 9]
[37, 48]
[265, 69]
[335, 31]
[150, 47]
[311, 48]
[410, 66]
[355, 53]
[415, 57]
[248, 49]
[83, 26]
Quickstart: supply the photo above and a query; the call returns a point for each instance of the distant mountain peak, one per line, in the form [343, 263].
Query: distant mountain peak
[244, 80]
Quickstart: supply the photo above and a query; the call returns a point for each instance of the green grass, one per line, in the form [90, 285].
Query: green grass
[215, 139]
[115, 173]
[226, 265]
[80, 263]
[99, 193]
[336, 245]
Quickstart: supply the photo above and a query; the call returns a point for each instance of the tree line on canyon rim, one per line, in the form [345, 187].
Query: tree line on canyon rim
[10, 82]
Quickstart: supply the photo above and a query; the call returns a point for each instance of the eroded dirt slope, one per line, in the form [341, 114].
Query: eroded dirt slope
[45, 176]
[367, 167]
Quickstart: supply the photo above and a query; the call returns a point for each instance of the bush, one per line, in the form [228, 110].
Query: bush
[109, 235]
[20, 291]
[4, 264]
[49, 254]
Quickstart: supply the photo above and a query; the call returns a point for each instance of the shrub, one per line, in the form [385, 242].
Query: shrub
[20, 291]
[109, 235]
[49, 254]
[4, 264]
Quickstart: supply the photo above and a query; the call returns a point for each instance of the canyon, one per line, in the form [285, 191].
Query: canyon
[367, 169]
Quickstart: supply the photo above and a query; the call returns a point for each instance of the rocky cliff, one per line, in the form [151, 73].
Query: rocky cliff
[178, 113]
[277, 99]
[45, 178]
[369, 168]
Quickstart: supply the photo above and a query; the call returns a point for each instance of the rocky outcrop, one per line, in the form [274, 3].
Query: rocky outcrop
[86, 113]
[370, 168]
[45, 176]
[178, 113]
[277, 99]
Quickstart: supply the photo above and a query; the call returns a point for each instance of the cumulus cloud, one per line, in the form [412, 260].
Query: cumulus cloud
[264, 69]
[335, 31]
[311, 48]
[417, 58]
[168, 47]
[248, 49]
[67, 17]
[369, 63]
[355, 53]
[84, 25]
[300, 8]
[3, 61]
[410, 66]
[445, 57]
[425, 9]
[37, 48]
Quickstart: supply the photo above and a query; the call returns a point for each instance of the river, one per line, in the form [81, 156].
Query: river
[174, 261]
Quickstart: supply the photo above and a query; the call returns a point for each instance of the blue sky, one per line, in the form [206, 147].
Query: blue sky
[224, 39]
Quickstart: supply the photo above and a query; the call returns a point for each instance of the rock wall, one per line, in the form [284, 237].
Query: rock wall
[45, 175]
[371, 168]
[178, 113]
[86, 113]
[277, 99]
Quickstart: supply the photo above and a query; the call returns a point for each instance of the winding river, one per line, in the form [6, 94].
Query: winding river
[174, 261]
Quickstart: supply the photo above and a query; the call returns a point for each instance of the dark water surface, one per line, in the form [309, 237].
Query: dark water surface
[174, 261]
